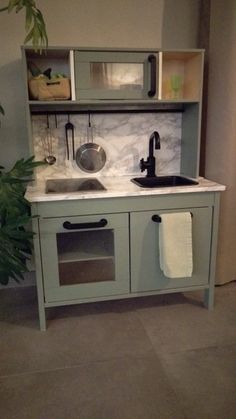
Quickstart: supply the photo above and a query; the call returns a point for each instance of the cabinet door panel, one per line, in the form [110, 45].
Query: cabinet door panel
[85, 262]
[146, 274]
[115, 75]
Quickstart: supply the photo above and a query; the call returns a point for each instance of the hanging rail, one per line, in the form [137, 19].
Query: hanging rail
[69, 108]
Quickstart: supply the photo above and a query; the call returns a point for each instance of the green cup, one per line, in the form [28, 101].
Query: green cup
[176, 85]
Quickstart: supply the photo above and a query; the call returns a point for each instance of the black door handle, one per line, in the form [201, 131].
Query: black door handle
[152, 60]
[79, 226]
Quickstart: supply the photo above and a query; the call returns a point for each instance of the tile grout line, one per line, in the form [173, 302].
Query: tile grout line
[43, 371]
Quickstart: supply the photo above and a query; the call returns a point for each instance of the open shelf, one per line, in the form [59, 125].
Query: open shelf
[86, 272]
[58, 60]
[86, 257]
[85, 246]
[181, 77]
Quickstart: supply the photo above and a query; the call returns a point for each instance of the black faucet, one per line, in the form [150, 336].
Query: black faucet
[150, 163]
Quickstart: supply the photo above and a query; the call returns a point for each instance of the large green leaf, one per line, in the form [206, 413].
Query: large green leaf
[34, 22]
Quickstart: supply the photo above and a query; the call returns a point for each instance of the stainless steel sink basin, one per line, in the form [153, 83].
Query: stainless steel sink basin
[73, 185]
[163, 181]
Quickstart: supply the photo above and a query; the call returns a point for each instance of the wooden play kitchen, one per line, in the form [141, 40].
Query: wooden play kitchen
[103, 245]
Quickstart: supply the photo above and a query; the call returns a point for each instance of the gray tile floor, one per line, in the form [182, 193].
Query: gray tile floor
[162, 357]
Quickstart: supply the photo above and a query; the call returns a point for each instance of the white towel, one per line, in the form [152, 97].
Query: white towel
[175, 244]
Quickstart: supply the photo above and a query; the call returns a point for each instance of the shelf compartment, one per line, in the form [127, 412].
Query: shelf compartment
[85, 246]
[59, 60]
[181, 77]
[85, 272]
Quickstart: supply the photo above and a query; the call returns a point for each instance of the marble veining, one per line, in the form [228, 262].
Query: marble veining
[124, 138]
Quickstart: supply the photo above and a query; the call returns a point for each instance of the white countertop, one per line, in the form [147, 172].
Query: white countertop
[119, 186]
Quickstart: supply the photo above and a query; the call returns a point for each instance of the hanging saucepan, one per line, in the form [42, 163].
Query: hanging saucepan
[90, 157]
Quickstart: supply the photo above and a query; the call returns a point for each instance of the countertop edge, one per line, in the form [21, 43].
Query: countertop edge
[117, 188]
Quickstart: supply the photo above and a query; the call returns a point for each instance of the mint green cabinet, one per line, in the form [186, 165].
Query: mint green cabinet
[85, 256]
[146, 274]
[108, 248]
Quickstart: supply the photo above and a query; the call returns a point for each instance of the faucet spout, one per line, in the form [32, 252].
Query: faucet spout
[154, 136]
[150, 163]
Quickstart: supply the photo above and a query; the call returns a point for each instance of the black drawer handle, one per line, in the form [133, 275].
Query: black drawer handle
[97, 224]
[153, 62]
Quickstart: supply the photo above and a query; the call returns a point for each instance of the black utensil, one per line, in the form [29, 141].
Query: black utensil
[47, 144]
[69, 127]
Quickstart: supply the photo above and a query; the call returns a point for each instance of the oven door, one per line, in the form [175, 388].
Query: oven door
[85, 257]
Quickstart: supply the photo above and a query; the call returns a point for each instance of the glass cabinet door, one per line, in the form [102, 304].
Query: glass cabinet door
[116, 75]
[85, 257]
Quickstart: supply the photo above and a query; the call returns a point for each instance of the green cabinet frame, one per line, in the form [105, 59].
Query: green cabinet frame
[136, 236]
[137, 261]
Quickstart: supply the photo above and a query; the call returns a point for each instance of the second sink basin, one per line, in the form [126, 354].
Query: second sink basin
[73, 185]
[163, 181]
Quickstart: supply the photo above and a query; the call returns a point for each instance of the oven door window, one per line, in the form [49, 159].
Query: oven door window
[86, 257]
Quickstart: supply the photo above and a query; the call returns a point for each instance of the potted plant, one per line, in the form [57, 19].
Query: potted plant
[15, 238]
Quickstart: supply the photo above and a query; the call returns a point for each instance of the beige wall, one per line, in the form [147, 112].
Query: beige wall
[116, 23]
[221, 128]
[180, 23]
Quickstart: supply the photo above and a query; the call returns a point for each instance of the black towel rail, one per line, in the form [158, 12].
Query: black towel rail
[157, 219]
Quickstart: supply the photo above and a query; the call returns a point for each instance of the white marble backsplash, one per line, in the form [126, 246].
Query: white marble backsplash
[124, 137]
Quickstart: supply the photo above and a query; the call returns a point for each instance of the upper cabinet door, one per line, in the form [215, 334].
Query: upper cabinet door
[116, 75]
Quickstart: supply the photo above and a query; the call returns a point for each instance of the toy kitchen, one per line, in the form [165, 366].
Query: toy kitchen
[120, 210]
